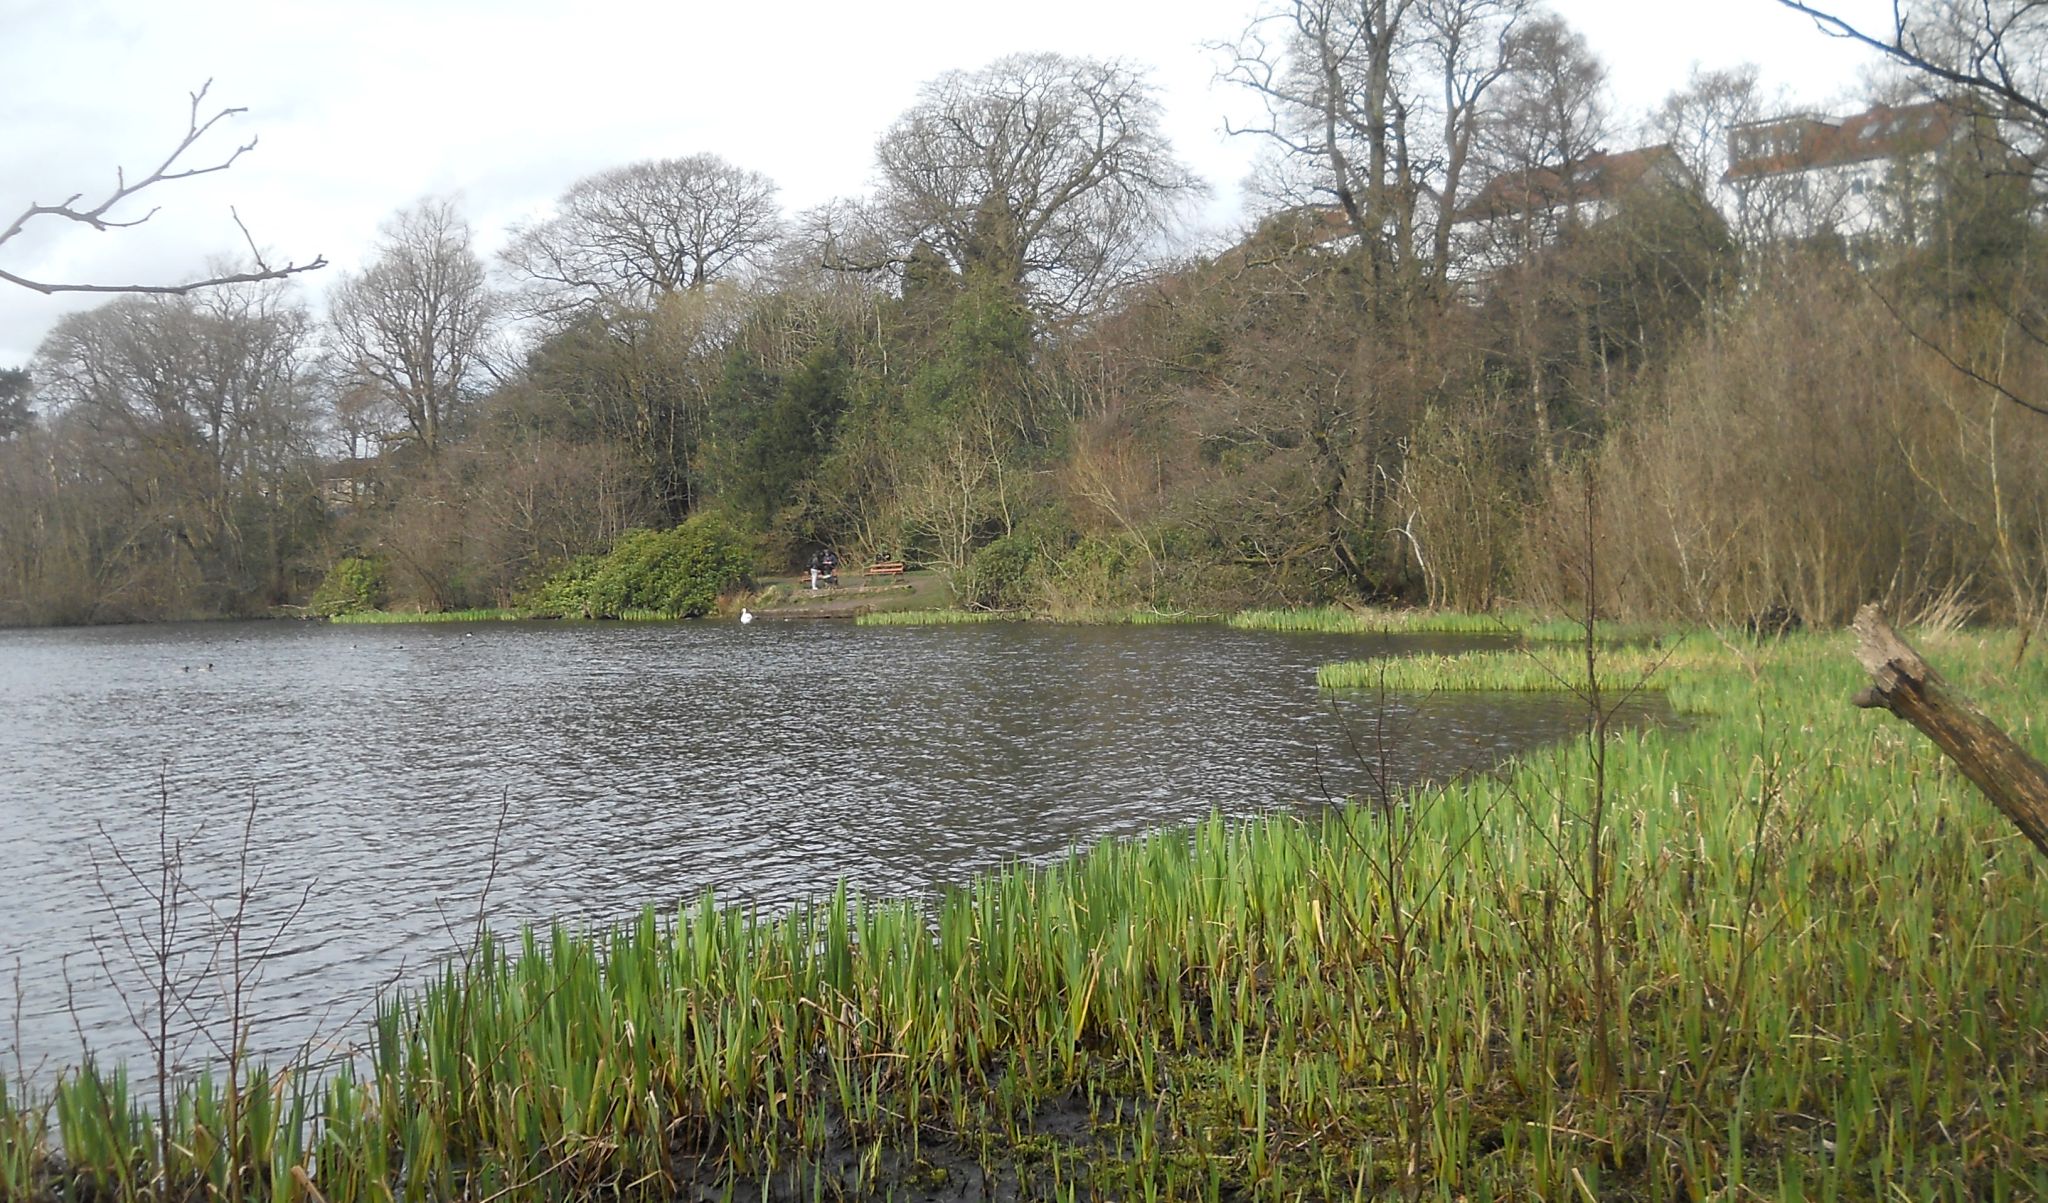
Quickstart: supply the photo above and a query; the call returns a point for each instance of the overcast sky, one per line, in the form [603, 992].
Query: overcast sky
[363, 106]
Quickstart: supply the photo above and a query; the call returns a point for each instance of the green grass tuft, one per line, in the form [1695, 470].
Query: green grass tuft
[380, 617]
[1347, 620]
[935, 618]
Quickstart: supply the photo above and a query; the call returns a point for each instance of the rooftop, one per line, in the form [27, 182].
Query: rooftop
[1803, 142]
[1600, 176]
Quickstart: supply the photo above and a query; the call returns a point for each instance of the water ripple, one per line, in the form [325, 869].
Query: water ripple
[634, 766]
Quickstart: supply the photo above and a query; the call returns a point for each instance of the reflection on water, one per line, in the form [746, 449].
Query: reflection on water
[631, 765]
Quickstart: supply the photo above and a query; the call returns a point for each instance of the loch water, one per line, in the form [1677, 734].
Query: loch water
[370, 794]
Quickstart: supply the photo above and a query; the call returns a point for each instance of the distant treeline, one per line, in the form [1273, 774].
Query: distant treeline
[1752, 363]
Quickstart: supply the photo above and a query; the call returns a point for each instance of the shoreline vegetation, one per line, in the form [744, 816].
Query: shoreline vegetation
[1784, 952]
[902, 606]
[1325, 620]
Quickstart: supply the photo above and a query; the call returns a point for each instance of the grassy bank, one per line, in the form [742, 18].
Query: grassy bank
[1826, 977]
[1328, 620]
[381, 617]
[1112, 618]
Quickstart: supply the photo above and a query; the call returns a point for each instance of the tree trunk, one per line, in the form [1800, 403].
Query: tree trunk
[1908, 686]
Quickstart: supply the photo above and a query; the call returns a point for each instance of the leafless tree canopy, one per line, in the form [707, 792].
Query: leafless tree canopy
[1695, 120]
[1996, 50]
[634, 233]
[1040, 171]
[1992, 55]
[1552, 111]
[182, 425]
[212, 373]
[1375, 106]
[109, 212]
[411, 325]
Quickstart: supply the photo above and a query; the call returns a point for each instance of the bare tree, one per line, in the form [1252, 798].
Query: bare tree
[101, 214]
[1471, 45]
[412, 325]
[1042, 172]
[1541, 139]
[1694, 120]
[632, 234]
[15, 414]
[1990, 56]
[184, 433]
[1377, 104]
[1538, 143]
[1337, 102]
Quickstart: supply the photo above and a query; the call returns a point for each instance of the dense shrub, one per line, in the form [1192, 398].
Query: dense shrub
[1002, 575]
[1099, 572]
[1806, 459]
[354, 584]
[682, 571]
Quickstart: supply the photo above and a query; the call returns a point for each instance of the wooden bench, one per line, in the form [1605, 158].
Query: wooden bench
[884, 568]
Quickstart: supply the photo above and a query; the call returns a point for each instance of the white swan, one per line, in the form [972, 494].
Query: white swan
[746, 615]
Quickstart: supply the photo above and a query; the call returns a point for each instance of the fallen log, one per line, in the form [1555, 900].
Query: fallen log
[1908, 686]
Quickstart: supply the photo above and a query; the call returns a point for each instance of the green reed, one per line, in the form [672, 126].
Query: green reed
[378, 617]
[935, 618]
[1123, 617]
[1540, 667]
[1345, 620]
[1127, 616]
[1830, 953]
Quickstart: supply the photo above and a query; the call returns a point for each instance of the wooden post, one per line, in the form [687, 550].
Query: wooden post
[1908, 686]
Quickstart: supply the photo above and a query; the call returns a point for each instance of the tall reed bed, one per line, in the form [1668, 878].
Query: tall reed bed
[1322, 619]
[1123, 617]
[935, 618]
[1128, 616]
[1344, 620]
[1830, 958]
[1540, 667]
[378, 617]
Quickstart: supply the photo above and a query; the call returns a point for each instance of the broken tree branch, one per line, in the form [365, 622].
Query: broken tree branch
[1905, 684]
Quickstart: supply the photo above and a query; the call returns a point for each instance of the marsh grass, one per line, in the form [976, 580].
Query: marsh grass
[380, 617]
[1540, 668]
[1336, 620]
[1344, 620]
[1131, 617]
[1828, 952]
[1128, 617]
[935, 618]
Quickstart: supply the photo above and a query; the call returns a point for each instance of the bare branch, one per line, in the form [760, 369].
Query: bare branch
[174, 166]
[1987, 71]
[174, 290]
[1948, 357]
